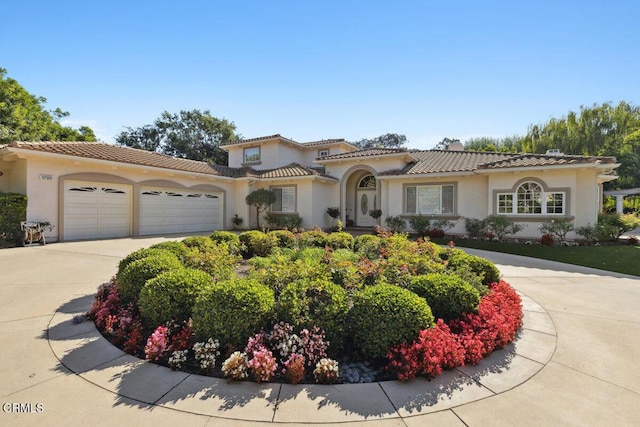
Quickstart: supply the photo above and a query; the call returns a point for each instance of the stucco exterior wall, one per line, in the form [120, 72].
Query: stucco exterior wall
[273, 154]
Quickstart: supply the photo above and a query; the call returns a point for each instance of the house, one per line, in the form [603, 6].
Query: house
[94, 190]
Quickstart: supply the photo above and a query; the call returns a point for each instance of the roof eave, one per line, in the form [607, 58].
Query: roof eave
[322, 160]
[425, 175]
[548, 167]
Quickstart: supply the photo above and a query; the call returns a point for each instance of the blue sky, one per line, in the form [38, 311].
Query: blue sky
[326, 69]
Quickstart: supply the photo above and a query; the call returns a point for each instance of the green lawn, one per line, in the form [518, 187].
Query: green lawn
[618, 258]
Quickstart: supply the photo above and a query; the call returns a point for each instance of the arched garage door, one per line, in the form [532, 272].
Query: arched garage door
[94, 210]
[169, 210]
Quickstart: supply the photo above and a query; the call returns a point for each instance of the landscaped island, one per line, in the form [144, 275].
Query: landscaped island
[307, 307]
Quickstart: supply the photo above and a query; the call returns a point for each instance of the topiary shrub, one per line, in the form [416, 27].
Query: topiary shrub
[316, 238]
[171, 296]
[286, 239]
[232, 311]
[202, 243]
[177, 248]
[231, 239]
[217, 260]
[482, 267]
[341, 240]
[140, 254]
[257, 243]
[448, 296]
[308, 303]
[384, 315]
[368, 245]
[136, 274]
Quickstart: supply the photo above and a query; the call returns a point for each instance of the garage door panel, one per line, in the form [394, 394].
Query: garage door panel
[178, 211]
[95, 210]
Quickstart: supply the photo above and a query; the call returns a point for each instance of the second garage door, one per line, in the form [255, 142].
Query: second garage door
[165, 210]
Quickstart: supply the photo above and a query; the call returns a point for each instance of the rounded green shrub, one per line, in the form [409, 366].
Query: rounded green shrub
[139, 254]
[201, 243]
[286, 239]
[171, 296]
[368, 245]
[257, 243]
[231, 311]
[277, 271]
[340, 255]
[308, 303]
[231, 239]
[316, 238]
[136, 274]
[481, 266]
[308, 254]
[218, 260]
[340, 240]
[178, 248]
[448, 295]
[384, 315]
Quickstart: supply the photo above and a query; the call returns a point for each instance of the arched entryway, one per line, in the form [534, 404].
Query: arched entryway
[359, 194]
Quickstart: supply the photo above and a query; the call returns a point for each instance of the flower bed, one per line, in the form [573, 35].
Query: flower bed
[308, 310]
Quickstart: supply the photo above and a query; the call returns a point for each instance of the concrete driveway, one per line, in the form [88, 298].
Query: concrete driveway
[587, 321]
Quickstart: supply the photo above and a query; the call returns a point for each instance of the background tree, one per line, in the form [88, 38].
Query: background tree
[261, 199]
[23, 117]
[444, 144]
[388, 140]
[194, 135]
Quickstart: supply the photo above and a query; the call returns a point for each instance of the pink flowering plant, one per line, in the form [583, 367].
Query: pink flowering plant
[263, 365]
[157, 344]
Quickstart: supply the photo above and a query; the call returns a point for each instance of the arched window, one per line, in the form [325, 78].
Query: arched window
[530, 198]
[368, 181]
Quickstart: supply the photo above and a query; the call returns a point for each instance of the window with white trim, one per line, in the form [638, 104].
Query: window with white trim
[531, 199]
[252, 154]
[429, 199]
[323, 153]
[285, 199]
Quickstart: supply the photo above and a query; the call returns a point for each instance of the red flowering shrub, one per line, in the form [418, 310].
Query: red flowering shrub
[547, 239]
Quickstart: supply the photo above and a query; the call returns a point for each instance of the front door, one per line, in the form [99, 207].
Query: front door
[366, 201]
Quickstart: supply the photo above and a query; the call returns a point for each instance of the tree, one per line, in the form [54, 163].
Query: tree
[507, 144]
[261, 199]
[444, 144]
[389, 140]
[194, 135]
[23, 117]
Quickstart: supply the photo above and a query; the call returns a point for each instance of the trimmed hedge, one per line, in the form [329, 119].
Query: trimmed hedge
[143, 253]
[201, 243]
[384, 315]
[217, 260]
[448, 296]
[136, 274]
[286, 239]
[177, 248]
[257, 243]
[231, 239]
[340, 240]
[320, 302]
[315, 238]
[13, 209]
[171, 296]
[231, 311]
[368, 245]
[481, 266]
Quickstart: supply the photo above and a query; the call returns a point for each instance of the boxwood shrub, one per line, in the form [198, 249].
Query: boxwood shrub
[384, 315]
[368, 246]
[341, 240]
[231, 239]
[317, 238]
[481, 266]
[448, 295]
[231, 311]
[136, 274]
[277, 271]
[217, 260]
[257, 243]
[320, 302]
[201, 243]
[171, 296]
[286, 239]
[13, 209]
[140, 254]
[178, 248]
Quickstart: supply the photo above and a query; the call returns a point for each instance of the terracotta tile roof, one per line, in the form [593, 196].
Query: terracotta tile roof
[535, 160]
[323, 142]
[116, 153]
[367, 153]
[289, 171]
[260, 138]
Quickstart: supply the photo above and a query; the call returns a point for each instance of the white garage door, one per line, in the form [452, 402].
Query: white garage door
[95, 210]
[164, 210]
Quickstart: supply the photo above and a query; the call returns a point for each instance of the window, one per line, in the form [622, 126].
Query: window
[252, 155]
[285, 199]
[368, 181]
[323, 153]
[429, 199]
[531, 199]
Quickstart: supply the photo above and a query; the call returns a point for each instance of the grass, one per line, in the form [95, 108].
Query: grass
[619, 258]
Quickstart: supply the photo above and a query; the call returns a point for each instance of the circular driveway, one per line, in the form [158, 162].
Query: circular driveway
[575, 363]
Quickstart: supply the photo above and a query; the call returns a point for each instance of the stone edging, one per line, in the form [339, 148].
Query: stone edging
[82, 350]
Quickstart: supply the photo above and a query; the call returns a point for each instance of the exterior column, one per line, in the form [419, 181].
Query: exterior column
[619, 204]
